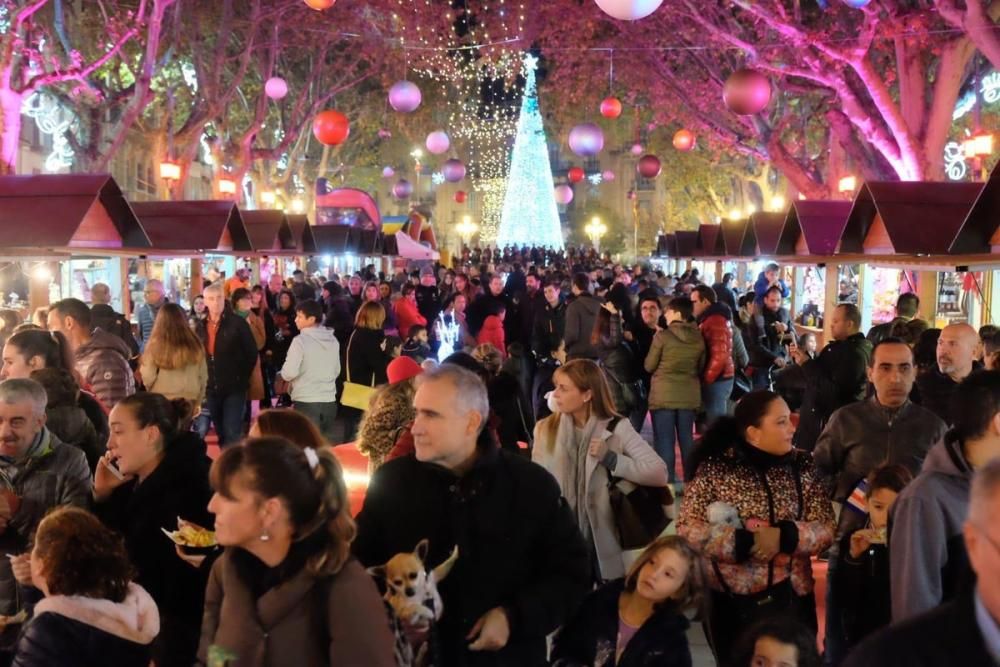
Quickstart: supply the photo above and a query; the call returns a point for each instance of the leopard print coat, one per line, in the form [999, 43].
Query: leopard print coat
[390, 410]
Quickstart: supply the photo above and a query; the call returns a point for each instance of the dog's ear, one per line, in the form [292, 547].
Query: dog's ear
[442, 570]
[378, 572]
[422, 547]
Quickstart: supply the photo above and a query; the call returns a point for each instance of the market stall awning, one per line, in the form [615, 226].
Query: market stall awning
[301, 232]
[334, 239]
[818, 224]
[192, 226]
[662, 246]
[739, 238]
[687, 242]
[981, 230]
[909, 217]
[769, 229]
[73, 211]
[710, 241]
[268, 231]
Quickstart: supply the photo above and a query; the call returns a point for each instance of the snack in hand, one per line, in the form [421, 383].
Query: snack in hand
[190, 535]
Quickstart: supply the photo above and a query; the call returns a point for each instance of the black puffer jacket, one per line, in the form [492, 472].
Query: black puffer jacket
[591, 637]
[619, 363]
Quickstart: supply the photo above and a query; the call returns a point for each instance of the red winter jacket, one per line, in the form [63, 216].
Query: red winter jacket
[492, 332]
[406, 316]
[717, 329]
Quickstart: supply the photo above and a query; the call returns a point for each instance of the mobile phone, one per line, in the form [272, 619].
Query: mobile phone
[113, 467]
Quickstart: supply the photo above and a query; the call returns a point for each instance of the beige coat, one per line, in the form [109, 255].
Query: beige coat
[281, 629]
[186, 382]
[637, 462]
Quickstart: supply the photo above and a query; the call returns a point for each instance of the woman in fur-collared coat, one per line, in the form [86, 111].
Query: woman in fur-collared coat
[390, 410]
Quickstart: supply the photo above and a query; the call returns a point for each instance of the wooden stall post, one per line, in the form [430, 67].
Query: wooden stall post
[866, 295]
[927, 286]
[194, 286]
[125, 287]
[831, 296]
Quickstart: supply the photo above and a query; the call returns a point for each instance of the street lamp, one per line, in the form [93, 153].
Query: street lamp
[977, 148]
[466, 229]
[227, 186]
[847, 185]
[777, 203]
[268, 198]
[595, 229]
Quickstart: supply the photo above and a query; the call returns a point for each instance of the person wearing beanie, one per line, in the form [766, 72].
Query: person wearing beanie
[390, 412]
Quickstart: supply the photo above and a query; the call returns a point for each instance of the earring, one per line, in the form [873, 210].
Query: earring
[265, 537]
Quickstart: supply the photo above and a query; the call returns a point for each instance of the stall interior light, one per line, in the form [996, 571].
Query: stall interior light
[227, 186]
[979, 145]
[170, 171]
[847, 184]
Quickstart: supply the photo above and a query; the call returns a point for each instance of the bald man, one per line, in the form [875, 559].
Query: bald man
[956, 350]
[103, 316]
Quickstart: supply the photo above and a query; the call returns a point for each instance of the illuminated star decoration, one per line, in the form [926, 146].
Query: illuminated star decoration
[595, 178]
[437, 178]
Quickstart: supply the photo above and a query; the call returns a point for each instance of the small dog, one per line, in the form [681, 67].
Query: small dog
[722, 515]
[412, 591]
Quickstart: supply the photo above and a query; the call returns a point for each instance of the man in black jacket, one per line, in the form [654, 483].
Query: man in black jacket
[837, 377]
[232, 356]
[965, 631]
[907, 306]
[104, 317]
[770, 330]
[522, 566]
[547, 335]
[956, 350]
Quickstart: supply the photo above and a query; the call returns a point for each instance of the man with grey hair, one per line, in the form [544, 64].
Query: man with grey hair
[965, 631]
[37, 473]
[522, 566]
[146, 315]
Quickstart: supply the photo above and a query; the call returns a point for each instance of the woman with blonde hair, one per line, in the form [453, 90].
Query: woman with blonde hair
[286, 590]
[367, 356]
[585, 444]
[173, 363]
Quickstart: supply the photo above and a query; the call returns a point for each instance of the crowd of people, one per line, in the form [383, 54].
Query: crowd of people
[518, 511]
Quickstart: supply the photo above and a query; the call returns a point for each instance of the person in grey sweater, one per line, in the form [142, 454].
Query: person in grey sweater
[581, 314]
[928, 561]
[312, 367]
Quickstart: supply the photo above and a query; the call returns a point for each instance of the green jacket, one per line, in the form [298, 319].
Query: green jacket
[675, 361]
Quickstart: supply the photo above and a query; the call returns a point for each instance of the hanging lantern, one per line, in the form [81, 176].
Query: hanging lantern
[402, 189]
[746, 92]
[437, 142]
[453, 170]
[575, 174]
[564, 194]
[611, 107]
[320, 5]
[388, 172]
[331, 127]
[683, 140]
[276, 88]
[404, 96]
[460, 197]
[637, 149]
[586, 140]
[628, 10]
[648, 166]
[608, 175]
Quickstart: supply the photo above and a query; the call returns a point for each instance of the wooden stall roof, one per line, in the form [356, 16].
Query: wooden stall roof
[662, 249]
[820, 223]
[268, 230]
[710, 241]
[334, 239]
[193, 226]
[738, 237]
[909, 217]
[67, 211]
[769, 230]
[687, 242]
[302, 232]
[981, 230]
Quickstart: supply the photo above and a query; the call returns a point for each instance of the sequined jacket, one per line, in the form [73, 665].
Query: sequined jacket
[785, 492]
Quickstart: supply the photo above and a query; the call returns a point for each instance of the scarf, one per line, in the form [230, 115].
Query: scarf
[572, 453]
[11, 468]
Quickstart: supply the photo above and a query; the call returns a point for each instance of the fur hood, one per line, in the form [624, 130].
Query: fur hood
[135, 619]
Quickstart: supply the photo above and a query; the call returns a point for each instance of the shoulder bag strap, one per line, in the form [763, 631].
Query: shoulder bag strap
[348, 358]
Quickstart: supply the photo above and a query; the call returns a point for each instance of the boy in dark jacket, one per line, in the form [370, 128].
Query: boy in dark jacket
[417, 345]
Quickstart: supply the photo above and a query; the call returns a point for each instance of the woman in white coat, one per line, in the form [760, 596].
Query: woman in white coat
[583, 445]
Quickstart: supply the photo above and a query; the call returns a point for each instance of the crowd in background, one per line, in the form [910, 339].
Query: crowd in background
[502, 405]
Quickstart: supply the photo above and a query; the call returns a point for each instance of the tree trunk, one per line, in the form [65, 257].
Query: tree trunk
[10, 136]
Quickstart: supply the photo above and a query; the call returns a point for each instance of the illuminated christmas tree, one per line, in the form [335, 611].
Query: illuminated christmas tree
[530, 216]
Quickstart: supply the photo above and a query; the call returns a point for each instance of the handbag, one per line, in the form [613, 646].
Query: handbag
[741, 385]
[641, 513]
[356, 395]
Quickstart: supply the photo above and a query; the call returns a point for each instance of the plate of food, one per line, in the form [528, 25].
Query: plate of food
[192, 538]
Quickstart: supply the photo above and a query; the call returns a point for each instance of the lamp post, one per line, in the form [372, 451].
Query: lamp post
[977, 148]
[170, 173]
[595, 229]
[466, 229]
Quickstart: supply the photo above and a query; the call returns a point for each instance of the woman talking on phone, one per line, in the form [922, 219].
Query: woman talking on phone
[583, 445]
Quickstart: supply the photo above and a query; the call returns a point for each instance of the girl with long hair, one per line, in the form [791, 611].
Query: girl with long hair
[584, 445]
[757, 512]
[286, 589]
[173, 363]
